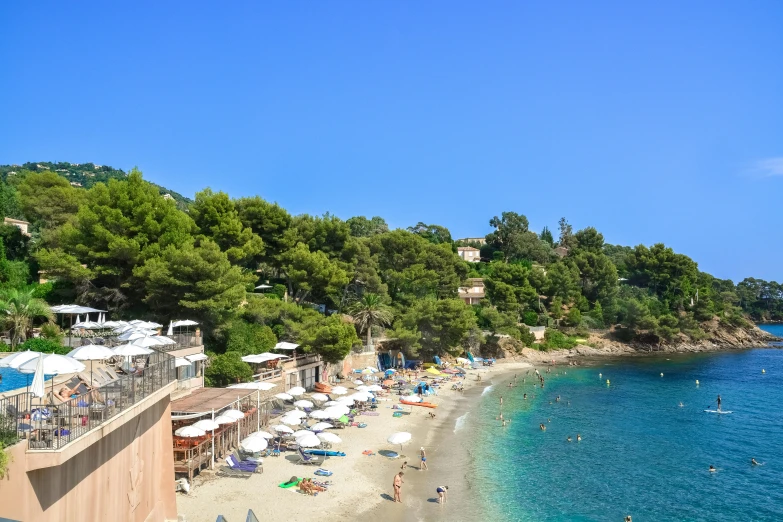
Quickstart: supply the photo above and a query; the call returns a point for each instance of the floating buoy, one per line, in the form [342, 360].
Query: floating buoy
[697, 382]
[661, 374]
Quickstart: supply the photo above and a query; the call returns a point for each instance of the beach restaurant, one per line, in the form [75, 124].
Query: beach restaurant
[210, 422]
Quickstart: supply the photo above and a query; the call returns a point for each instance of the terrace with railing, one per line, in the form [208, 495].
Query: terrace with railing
[49, 426]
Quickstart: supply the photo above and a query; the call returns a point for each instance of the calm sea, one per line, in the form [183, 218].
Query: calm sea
[642, 453]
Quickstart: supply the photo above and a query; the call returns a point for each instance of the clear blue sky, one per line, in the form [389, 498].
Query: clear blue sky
[656, 123]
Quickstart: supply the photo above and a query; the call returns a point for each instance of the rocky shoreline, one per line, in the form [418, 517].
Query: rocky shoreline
[721, 338]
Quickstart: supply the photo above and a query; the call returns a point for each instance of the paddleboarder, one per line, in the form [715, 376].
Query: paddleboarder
[719, 401]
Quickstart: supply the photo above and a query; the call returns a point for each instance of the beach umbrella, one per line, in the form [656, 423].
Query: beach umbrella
[263, 287]
[53, 364]
[190, 431]
[339, 390]
[134, 335]
[291, 421]
[388, 382]
[341, 410]
[363, 387]
[373, 370]
[225, 419]
[319, 414]
[185, 322]
[321, 426]
[303, 404]
[390, 371]
[206, 425]
[345, 401]
[170, 331]
[146, 342]
[310, 441]
[331, 438]
[301, 433]
[253, 444]
[374, 388]
[130, 350]
[262, 434]
[361, 396]
[282, 429]
[332, 403]
[299, 414]
[91, 352]
[234, 414]
[433, 370]
[18, 359]
[255, 385]
[179, 361]
[163, 340]
[357, 381]
[413, 398]
[284, 397]
[296, 391]
[401, 437]
[38, 379]
[320, 397]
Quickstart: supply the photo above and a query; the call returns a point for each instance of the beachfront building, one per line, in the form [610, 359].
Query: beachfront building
[101, 456]
[470, 254]
[537, 331]
[473, 292]
[18, 223]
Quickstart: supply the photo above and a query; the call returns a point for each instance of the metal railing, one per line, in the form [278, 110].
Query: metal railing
[49, 426]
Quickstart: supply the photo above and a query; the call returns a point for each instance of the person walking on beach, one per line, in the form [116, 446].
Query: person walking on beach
[441, 490]
[423, 460]
[398, 486]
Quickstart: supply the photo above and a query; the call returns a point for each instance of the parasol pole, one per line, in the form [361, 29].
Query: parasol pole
[212, 462]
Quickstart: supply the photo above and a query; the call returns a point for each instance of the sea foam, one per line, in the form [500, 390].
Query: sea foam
[460, 422]
[487, 389]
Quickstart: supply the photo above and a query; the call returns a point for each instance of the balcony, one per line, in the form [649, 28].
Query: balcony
[50, 427]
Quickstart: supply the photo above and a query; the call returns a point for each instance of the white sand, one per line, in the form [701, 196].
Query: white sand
[360, 482]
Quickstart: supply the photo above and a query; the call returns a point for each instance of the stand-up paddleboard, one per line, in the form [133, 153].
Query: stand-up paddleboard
[718, 411]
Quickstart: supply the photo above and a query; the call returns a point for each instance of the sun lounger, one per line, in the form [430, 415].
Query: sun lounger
[308, 459]
[237, 469]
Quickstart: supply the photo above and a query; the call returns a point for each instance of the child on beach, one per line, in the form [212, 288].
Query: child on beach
[423, 459]
[404, 465]
[441, 490]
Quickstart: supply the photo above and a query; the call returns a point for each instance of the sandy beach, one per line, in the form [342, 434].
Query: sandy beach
[361, 484]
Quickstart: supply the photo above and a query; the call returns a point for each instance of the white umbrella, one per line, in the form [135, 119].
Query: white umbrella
[301, 433]
[339, 390]
[284, 396]
[413, 398]
[253, 444]
[206, 425]
[363, 387]
[130, 350]
[367, 371]
[345, 401]
[91, 352]
[357, 381]
[179, 361]
[360, 396]
[38, 379]
[262, 434]
[298, 414]
[224, 419]
[282, 429]
[133, 335]
[291, 421]
[319, 414]
[401, 437]
[335, 412]
[163, 340]
[334, 403]
[170, 331]
[331, 438]
[263, 386]
[374, 388]
[309, 441]
[263, 287]
[303, 404]
[53, 364]
[320, 397]
[146, 342]
[296, 391]
[236, 414]
[321, 426]
[185, 322]
[18, 359]
[373, 370]
[190, 431]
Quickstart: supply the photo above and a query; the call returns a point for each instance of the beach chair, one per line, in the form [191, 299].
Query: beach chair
[236, 469]
[304, 458]
[248, 461]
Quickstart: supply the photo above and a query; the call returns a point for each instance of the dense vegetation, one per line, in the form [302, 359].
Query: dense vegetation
[121, 246]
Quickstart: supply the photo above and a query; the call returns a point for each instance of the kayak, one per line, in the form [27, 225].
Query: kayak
[325, 453]
[425, 404]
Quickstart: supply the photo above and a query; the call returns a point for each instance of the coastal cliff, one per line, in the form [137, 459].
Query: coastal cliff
[719, 337]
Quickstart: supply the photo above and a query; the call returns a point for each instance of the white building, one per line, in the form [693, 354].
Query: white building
[470, 254]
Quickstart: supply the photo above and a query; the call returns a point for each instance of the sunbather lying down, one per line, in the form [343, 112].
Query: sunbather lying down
[308, 487]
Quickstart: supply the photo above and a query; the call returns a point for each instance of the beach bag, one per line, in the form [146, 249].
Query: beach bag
[323, 472]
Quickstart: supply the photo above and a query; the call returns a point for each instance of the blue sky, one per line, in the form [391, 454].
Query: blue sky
[653, 123]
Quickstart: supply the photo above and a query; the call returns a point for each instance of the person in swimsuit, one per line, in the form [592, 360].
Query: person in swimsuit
[712, 469]
[423, 459]
[753, 462]
[719, 401]
[398, 486]
[524, 396]
[578, 437]
[441, 490]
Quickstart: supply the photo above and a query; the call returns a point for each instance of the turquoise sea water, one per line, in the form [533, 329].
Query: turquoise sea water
[641, 454]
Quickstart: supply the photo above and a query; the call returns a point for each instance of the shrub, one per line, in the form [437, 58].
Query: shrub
[227, 368]
[530, 318]
[40, 344]
[52, 332]
[5, 460]
[556, 340]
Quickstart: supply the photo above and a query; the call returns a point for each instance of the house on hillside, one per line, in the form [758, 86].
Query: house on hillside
[18, 223]
[470, 254]
[479, 240]
[561, 251]
[474, 292]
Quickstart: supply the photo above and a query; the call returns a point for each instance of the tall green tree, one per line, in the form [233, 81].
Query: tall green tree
[435, 234]
[442, 325]
[515, 240]
[360, 226]
[48, 200]
[312, 275]
[20, 308]
[546, 237]
[332, 338]
[270, 222]
[370, 311]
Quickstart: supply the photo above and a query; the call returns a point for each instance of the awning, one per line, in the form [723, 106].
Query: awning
[263, 357]
[196, 357]
[286, 346]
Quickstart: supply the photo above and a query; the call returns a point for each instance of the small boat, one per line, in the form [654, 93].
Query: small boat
[425, 404]
[322, 387]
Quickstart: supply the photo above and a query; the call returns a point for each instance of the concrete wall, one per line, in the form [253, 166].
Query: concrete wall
[125, 476]
[354, 361]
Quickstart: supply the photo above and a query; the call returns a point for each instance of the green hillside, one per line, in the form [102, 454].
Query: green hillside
[83, 175]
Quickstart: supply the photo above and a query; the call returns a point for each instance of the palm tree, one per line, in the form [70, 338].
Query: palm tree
[370, 311]
[19, 309]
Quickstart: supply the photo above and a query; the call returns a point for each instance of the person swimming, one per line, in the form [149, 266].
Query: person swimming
[524, 396]
[569, 439]
[542, 427]
[753, 462]
[712, 469]
[578, 437]
[557, 399]
[681, 404]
